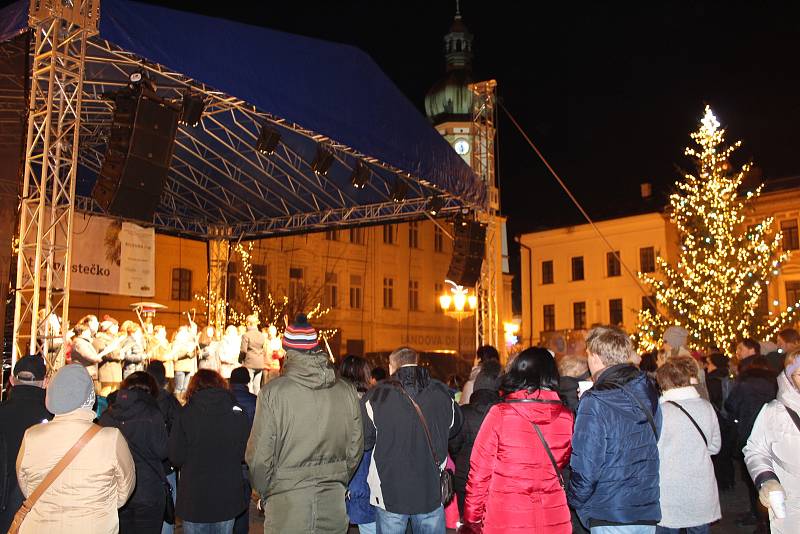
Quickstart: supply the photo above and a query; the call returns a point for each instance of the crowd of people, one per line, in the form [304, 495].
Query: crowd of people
[607, 442]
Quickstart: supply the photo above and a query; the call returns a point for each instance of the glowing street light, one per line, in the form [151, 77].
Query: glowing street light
[458, 304]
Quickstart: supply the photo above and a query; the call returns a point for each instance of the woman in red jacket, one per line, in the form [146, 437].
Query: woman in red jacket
[513, 485]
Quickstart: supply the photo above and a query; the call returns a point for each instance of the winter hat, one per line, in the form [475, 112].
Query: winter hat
[300, 335]
[30, 368]
[70, 389]
[676, 336]
[240, 375]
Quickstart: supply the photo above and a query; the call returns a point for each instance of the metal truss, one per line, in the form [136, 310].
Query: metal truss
[61, 31]
[487, 323]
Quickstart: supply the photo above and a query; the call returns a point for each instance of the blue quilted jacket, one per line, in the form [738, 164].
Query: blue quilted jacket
[359, 510]
[614, 451]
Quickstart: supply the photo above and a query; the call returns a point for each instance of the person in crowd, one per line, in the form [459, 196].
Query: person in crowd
[454, 385]
[208, 350]
[229, 351]
[755, 386]
[50, 328]
[273, 354]
[24, 408]
[485, 394]
[787, 340]
[98, 481]
[161, 351]
[771, 452]
[649, 364]
[689, 436]
[239, 381]
[405, 472]
[207, 445]
[83, 351]
[484, 353]
[136, 414]
[614, 482]
[106, 343]
[306, 441]
[746, 349]
[571, 370]
[376, 375]
[183, 354]
[356, 371]
[91, 322]
[719, 384]
[676, 344]
[252, 352]
[514, 486]
[132, 349]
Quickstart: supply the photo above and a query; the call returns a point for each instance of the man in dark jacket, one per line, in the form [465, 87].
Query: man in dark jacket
[306, 441]
[614, 463]
[484, 396]
[23, 409]
[720, 385]
[404, 476]
[239, 379]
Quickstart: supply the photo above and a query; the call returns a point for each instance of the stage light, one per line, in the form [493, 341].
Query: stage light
[322, 162]
[435, 204]
[268, 140]
[191, 110]
[399, 190]
[463, 217]
[360, 175]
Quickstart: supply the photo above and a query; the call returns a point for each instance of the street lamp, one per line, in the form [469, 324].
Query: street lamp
[458, 304]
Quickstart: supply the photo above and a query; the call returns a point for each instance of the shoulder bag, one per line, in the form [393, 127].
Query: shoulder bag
[647, 413]
[446, 476]
[681, 408]
[54, 473]
[544, 441]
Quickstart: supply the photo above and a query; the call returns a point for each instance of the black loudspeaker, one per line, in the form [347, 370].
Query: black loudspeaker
[138, 155]
[468, 252]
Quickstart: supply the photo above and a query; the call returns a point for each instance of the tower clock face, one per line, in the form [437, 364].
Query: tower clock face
[461, 146]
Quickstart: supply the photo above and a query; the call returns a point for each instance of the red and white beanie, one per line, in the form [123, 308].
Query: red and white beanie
[300, 335]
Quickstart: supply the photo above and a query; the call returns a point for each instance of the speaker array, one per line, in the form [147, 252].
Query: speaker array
[468, 252]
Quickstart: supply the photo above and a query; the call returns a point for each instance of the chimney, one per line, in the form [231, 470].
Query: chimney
[646, 189]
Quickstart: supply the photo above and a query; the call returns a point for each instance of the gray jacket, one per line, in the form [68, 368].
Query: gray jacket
[252, 348]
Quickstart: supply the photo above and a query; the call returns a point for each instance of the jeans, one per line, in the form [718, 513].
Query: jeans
[367, 528]
[181, 381]
[701, 529]
[391, 523]
[166, 528]
[221, 527]
[624, 529]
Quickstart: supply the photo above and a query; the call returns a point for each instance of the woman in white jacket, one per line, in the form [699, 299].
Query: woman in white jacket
[772, 452]
[689, 436]
[228, 351]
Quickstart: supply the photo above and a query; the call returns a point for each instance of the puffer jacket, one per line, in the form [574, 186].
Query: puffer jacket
[772, 452]
[614, 451]
[753, 389]
[512, 485]
[110, 369]
[85, 497]
[305, 446]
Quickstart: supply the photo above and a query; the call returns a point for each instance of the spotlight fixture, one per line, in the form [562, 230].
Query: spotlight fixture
[322, 162]
[360, 175]
[435, 204]
[399, 190]
[463, 217]
[268, 140]
[191, 110]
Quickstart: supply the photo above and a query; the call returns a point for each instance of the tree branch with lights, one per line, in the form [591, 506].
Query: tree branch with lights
[723, 267]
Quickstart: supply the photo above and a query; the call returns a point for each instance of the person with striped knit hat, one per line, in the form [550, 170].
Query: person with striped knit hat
[307, 439]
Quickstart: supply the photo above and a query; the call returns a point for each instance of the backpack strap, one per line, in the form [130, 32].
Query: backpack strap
[794, 416]
[645, 410]
[681, 408]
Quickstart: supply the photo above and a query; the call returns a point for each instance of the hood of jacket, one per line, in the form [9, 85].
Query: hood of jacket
[413, 378]
[787, 393]
[309, 369]
[483, 399]
[540, 406]
[213, 400]
[616, 386]
[131, 403]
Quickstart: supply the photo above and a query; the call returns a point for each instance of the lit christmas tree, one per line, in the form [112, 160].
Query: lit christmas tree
[724, 267]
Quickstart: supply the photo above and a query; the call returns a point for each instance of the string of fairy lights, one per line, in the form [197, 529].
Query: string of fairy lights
[723, 268]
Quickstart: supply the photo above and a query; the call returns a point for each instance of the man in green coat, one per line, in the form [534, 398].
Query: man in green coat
[307, 440]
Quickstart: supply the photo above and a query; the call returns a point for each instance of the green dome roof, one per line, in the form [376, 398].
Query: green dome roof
[450, 98]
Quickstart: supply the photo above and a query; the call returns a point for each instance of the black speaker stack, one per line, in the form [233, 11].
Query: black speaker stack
[468, 251]
[138, 155]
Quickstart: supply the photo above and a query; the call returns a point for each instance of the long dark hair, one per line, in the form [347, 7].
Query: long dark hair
[533, 368]
[356, 370]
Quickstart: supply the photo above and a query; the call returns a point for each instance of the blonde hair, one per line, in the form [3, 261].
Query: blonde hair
[609, 343]
[573, 366]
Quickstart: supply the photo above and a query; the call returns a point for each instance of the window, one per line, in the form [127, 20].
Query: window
[357, 236]
[612, 263]
[413, 234]
[438, 239]
[549, 317]
[579, 315]
[648, 303]
[792, 293]
[355, 291]
[295, 284]
[577, 268]
[790, 237]
[438, 289]
[389, 234]
[647, 260]
[181, 284]
[615, 311]
[332, 235]
[331, 291]
[547, 272]
[388, 293]
[413, 295]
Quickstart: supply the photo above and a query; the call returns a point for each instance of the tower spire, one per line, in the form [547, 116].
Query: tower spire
[458, 9]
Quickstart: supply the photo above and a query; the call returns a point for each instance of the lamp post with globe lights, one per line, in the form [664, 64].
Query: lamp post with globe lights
[459, 304]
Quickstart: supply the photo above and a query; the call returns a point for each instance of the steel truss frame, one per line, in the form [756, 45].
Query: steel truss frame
[47, 204]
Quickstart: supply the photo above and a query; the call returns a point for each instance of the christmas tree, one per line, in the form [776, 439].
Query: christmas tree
[723, 267]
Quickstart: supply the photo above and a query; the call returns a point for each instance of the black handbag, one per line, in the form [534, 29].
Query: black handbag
[446, 476]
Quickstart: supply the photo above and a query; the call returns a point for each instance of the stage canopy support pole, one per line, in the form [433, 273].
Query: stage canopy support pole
[47, 205]
[219, 248]
[489, 289]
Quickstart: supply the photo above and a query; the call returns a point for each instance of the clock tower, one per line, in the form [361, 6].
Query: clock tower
[448, 104]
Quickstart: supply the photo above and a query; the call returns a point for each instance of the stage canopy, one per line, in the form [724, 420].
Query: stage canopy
[314, 93]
